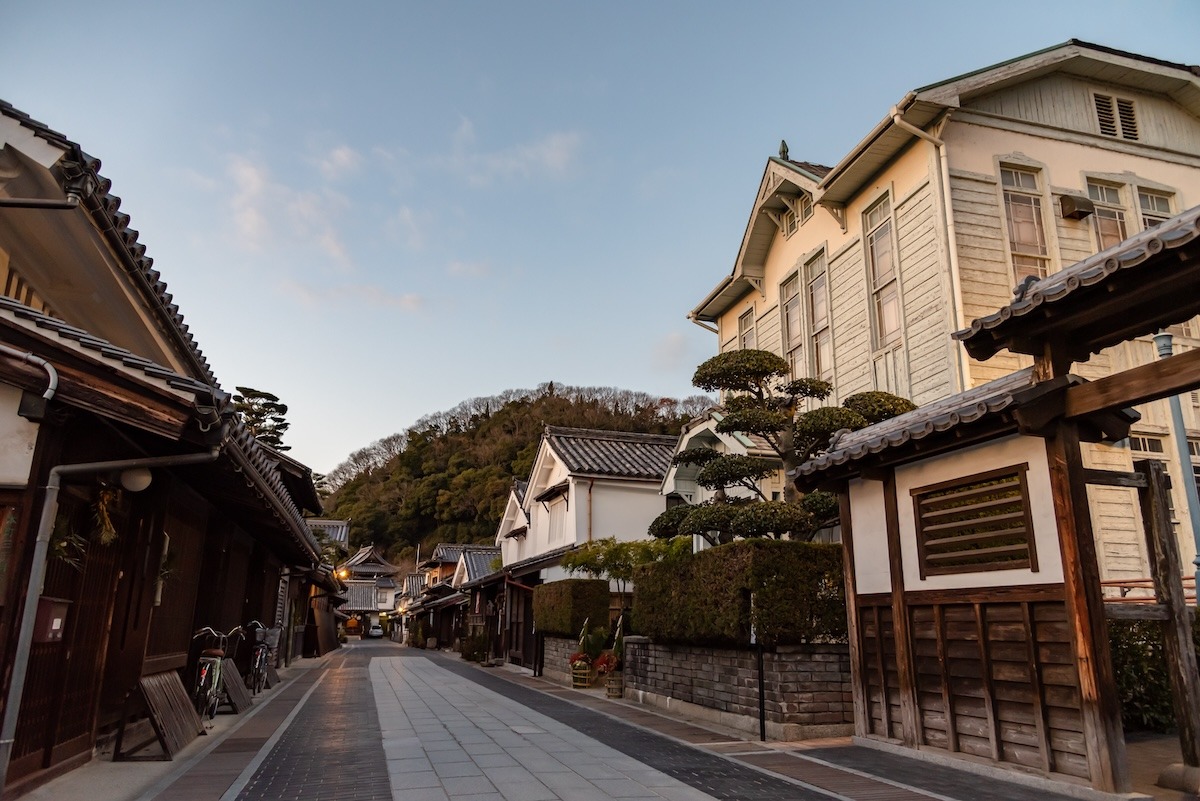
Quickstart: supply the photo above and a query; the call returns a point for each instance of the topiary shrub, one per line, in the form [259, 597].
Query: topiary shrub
[797, 589]
[474, 648]
[562, 607]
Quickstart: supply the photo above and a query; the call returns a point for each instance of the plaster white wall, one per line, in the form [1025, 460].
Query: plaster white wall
[871, 572]
[1005, 452]
[17, 439]
[623, 510]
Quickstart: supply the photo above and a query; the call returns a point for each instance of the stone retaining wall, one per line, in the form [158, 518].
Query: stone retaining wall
[807, 687]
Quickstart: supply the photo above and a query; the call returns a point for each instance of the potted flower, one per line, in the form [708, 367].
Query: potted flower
[614, 686]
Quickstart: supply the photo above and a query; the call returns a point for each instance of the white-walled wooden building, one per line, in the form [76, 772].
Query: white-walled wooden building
[858, 273]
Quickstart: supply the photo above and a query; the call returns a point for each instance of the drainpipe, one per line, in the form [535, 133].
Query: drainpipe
[951, 238]
[1163, 342]
[591, 483]
[25, 356]
[37, 574]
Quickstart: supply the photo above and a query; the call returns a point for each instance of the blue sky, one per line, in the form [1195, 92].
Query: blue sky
[377, 210]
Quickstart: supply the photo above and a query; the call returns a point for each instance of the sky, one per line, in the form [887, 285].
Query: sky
[377, 210]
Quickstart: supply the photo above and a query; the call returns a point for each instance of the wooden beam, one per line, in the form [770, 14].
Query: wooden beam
[1103, 736]
[901, 629]
[1158, 379]
[1114, 478]
[862, 721]
[1165, 566]
[1115, 610]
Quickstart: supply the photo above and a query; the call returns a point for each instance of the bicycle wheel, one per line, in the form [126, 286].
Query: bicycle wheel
[260, 679]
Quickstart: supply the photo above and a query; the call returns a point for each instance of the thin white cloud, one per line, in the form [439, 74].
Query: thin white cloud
[249, 190]
[339, 162]
[551, 156]
[468, 269]
[405, 221]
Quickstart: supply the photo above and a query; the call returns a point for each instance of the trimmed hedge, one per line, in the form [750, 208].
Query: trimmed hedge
[798, 591]
[562, 607]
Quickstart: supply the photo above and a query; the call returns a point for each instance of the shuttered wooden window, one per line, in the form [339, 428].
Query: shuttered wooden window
[976, 523]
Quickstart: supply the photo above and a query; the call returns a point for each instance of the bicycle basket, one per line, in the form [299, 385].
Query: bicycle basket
[268, 636]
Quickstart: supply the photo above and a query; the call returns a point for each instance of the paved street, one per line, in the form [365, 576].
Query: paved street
[377, 721]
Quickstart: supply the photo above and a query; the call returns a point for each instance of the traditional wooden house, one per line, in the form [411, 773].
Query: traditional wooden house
[858, 273]
[135, 505]
[977, 617]
[371, 589]
[585, 485]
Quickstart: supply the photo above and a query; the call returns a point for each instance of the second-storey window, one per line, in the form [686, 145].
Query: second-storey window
[881, 261]
[1110, 214]
[1155, 207]
[819, 333]
[793, 329]
[746, 340]
[1026, 229]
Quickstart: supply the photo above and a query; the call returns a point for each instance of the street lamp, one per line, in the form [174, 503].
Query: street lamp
[1163, 341]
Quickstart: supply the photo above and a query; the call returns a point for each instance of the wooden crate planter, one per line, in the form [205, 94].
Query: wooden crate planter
[614, 685]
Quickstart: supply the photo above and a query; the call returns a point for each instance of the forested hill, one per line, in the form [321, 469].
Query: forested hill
[447, 478]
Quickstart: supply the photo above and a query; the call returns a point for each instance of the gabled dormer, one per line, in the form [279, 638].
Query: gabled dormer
[784, 204]
[701, 432]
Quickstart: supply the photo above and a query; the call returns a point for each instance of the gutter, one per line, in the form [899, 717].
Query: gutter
[37, 573]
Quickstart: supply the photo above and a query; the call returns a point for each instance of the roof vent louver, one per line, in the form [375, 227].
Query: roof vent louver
[1116, 117]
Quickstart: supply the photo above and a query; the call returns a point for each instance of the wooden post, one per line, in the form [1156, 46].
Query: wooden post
[1103, 735]
[1167, 570]
[862, 721]
[901, 630]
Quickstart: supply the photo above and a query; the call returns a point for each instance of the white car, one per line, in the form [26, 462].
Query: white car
[375, 631]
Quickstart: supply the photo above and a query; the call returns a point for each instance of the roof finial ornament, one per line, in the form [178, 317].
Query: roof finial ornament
[1020, 289]
[783, 151]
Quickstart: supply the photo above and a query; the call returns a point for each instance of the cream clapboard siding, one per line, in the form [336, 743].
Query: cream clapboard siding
[768, 331]
[1067, 102]
[851, 326]
[1075, 238]
[984, 271]
[925, 334]
[1121, 545]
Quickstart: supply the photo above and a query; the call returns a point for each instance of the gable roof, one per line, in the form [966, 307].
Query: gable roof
[611, 454]
[476, 563]
[369, 560]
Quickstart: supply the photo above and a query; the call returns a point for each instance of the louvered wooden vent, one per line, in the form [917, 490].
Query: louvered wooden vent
[1116, 117]
[979, 522]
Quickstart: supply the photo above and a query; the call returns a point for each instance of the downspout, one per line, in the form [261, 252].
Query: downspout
[37, 574]
[25, 356]
[951, 237]
[591, 483]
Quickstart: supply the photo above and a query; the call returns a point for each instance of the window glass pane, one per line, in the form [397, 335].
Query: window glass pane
[1104, 194]
[880, 245]
[746, 338]
[887, 310]
[1110, 226]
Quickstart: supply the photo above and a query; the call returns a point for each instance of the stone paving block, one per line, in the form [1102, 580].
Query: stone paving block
[467, 785]
[526, 791]
[409, 765]
[456, 769]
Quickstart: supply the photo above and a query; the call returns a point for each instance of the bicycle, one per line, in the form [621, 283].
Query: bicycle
[209, 689]
[265, 642]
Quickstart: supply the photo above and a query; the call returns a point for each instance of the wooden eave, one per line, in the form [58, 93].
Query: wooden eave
[97, 386]
[871, 155]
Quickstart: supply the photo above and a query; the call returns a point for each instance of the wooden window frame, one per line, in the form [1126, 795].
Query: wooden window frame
[1015, 196]
[818, 268]
[883, 288]
[1152, 218]
[1020, 473]
[746, 330]
[1107, 208]
[791, 305]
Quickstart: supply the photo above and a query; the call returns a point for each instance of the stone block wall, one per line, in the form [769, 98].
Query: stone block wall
[807, 687]
[555, 666]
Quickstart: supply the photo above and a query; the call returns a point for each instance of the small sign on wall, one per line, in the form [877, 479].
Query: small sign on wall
[51, 619]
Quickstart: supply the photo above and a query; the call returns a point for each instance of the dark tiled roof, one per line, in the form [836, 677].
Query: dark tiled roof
[241, 446]
[369, 559]
[479, 562]
[360, 596]
[538, 561]
[103, 349]
[1009, 326]
[413, 584]
[818, 170]
[614, 454]
[519, 487]
[104, 209]
[935, 418]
